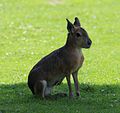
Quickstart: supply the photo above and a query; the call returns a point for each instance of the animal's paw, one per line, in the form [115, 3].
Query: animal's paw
[61, 94]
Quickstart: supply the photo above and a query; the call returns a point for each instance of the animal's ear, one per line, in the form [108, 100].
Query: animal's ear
[70, 26]
[77, 22]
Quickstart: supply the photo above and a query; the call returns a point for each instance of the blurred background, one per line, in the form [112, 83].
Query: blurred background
[33, 28]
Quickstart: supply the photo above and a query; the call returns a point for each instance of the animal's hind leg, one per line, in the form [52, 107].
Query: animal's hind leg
[39, 88]
[60, 94]
[48, 94]
[48, 91]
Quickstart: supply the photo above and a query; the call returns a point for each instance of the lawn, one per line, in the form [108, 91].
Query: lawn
[30, 29]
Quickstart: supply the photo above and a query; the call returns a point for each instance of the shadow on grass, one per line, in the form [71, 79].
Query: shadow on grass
[18, 98]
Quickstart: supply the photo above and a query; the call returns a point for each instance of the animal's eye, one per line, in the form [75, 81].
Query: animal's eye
[78, 34]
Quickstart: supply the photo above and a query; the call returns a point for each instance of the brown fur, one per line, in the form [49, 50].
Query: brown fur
[61, 63]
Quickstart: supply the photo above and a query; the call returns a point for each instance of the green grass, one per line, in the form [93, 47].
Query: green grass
[30, 29]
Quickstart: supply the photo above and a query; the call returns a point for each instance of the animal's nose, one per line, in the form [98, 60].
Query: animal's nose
[89, 42]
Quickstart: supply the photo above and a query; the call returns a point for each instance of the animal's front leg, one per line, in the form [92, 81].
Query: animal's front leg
[75, 78]
[69, 85]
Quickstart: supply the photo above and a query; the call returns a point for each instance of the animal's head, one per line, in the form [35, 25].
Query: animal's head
[78, 35]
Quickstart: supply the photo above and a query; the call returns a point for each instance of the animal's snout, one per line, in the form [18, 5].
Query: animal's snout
[89, 42]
